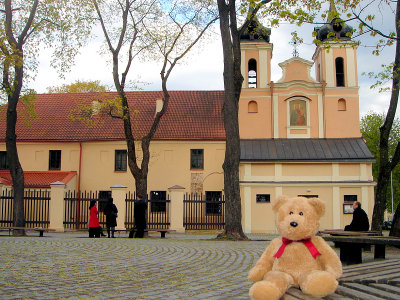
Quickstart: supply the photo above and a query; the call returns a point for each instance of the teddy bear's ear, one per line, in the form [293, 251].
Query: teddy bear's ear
[318, 205]
[279, 202]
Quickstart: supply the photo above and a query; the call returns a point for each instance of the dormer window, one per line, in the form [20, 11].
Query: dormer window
[339, 64]
[252, 73]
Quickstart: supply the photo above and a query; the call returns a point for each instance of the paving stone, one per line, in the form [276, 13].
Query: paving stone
[72, 266]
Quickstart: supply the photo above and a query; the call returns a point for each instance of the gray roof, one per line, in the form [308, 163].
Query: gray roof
[335, 149]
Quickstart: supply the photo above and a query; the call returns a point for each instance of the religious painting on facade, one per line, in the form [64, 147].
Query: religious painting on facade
[298, 113]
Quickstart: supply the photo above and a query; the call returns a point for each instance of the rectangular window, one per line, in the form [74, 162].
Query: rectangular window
[196, 158]
[213, 203]
[55, 160]
[158, 201]
[308, 196]
[3, 160]
[120, 160]
[263, 198]
[350, 198]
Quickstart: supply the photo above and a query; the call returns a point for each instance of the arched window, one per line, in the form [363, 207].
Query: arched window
[252, 67]
[253, 107]
[298, 113]
[341, 104]
[339, 64]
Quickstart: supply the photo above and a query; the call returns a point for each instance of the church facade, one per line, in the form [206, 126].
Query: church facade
[299, 136]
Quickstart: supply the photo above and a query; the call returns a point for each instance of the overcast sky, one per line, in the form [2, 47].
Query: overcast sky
[202, 69]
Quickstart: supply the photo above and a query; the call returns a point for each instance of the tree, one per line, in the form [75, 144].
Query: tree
[131, 27]
[292, 11]
[26, 25]
[370, 125]
[390, 73]
[78, 87]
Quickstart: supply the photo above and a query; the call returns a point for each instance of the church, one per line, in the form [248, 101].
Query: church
[299, 135]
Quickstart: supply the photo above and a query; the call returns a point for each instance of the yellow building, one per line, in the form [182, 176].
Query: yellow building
[299, 136]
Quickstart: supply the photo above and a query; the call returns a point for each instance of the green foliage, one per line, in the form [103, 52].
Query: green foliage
[79, 87]
[370, 125]
[28, 109]
[92, 114]
[383, 77]
[62, 25]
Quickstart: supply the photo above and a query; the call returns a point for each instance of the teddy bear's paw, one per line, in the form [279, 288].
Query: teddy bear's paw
[264, 290]
[318, 283]
[256, 274]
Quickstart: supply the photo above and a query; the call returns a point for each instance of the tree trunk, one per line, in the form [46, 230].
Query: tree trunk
[16, 171]
[232, 85]
[386, 166]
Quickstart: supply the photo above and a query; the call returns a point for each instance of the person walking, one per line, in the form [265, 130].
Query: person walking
[111, 212]
[94, 225]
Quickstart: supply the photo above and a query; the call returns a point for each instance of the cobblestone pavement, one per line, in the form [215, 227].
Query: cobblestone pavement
[72, 266]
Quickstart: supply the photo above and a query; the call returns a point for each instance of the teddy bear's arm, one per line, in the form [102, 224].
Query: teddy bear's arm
[328, 258]
[264, 264]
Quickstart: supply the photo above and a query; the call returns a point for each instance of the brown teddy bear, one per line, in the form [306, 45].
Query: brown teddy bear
[298, 258]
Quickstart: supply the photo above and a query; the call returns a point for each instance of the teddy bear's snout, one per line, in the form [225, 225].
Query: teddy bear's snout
[293, 224]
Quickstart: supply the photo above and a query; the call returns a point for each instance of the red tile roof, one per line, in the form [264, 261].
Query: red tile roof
[191, 115]
[39, 179]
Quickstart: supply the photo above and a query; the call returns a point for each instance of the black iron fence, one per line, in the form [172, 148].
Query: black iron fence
[158, 211]
[204, 211]
[77, 212]
[36, 207]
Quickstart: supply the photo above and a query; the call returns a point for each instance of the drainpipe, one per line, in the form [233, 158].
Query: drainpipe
[78, 207]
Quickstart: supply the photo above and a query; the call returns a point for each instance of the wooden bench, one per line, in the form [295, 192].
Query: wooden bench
[351, 246]
[377, 280]
[161, 231]
[36, 229]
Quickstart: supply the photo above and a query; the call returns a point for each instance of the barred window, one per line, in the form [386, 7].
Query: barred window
[196, 159]
[120, 160]
[158, 201]
[3, 160]
[54, 159]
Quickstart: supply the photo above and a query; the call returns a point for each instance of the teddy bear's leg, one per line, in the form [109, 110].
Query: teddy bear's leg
[318, 283]
[272, 287]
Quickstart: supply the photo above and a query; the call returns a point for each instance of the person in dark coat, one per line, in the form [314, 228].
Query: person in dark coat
[111, 212]
[360, 220]
[140, 216]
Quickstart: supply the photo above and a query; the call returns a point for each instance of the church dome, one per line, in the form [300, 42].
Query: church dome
[256, 31]
[337, 28]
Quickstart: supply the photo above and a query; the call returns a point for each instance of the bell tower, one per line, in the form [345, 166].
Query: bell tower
[255, 108]
[256, 55]
[336, 55]
[335, 60]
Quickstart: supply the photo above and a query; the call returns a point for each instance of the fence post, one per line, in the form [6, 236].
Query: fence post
[1, 188]
[57, 206]
[118, 192]
[176, 208]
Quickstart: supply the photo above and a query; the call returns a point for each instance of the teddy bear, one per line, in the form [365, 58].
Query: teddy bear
[298, 258]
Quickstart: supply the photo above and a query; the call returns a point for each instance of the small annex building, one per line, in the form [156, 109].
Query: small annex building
[299, 135]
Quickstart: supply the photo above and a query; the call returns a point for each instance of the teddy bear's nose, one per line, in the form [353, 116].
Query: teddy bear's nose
[293, 224]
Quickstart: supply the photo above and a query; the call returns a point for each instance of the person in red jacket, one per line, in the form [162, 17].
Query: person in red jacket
[94, 225]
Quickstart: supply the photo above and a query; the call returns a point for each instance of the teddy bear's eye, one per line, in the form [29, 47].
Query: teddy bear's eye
[301, 213]
[291, 213]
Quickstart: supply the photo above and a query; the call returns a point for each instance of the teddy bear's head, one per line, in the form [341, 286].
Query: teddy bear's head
[298, 218]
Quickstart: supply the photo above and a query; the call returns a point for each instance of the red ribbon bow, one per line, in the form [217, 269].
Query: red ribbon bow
[313, 250]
